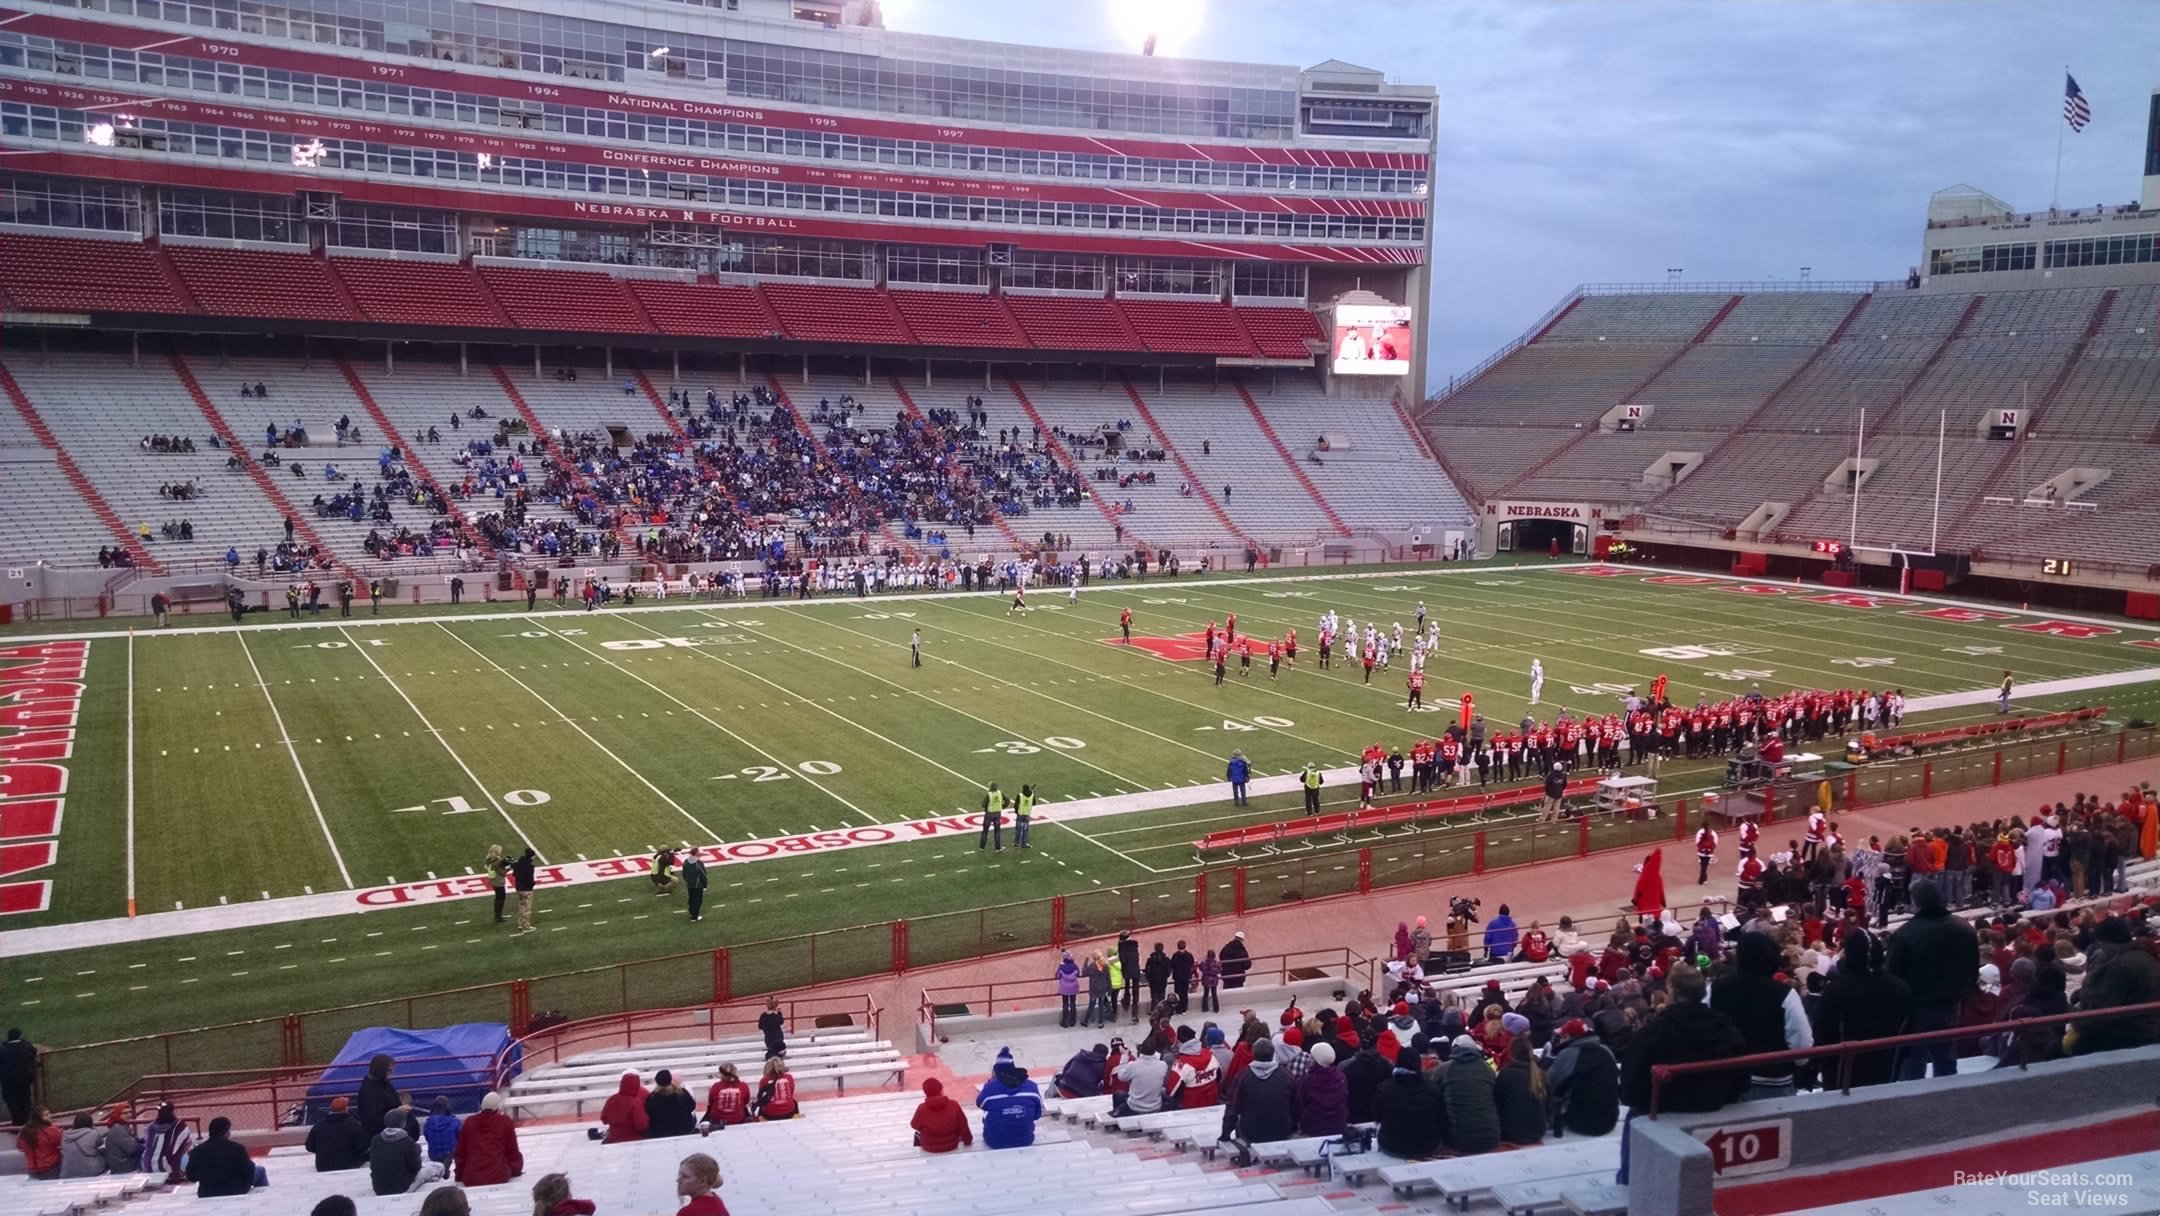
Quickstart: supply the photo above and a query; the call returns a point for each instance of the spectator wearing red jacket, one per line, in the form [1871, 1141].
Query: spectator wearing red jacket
[487, 1148]
[940, 1124]
[624, 1114]
[39, 1141]
[551, 1197]
[728, 1103]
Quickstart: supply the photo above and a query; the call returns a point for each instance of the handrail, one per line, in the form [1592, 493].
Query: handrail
[1264, 966]
[223, 1085]
[1662, 1073]
[591, 1033]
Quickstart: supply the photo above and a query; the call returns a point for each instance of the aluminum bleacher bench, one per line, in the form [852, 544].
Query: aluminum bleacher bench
[1355, 1168]
[1524, 1198]
[1156, 1124]
[891, 1066]
[1462, 1179]
[1313, 1153]
[1598, 1199]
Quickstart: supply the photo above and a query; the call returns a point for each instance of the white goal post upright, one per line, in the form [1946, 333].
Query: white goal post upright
[1896, 550]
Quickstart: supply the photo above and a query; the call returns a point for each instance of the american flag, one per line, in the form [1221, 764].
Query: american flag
[2076, 111]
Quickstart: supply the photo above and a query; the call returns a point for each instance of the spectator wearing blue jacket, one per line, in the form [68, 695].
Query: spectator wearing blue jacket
[1500, 935]
[440, 1131]
[1010, 1105]
[1240, 772]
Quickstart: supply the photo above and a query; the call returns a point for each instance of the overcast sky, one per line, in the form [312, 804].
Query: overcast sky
[1606, 140]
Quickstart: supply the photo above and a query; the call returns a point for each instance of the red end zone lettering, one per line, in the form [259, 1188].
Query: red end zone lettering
[2064, 629]
[32, 780]
[1962, 616]
[2147, 643]
[23, 858]
[22, 820]
[1601, 572]
[1682, 580]
[20, 897]
[1753, 589]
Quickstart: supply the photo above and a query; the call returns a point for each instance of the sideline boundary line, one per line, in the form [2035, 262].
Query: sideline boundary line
[290, 750]
[131, 773]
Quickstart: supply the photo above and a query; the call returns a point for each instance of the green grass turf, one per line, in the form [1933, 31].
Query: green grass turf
[391, 720]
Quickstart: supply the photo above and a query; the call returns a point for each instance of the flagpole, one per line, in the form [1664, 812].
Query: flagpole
[2055, 197]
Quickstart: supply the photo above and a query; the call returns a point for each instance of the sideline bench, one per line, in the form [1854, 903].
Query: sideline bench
[1340, 824]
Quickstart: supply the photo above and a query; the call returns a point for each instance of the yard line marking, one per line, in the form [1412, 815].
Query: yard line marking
[904, 690]
[444, 740]
[290, 750]
[814, 782]
[131, 773]
[624, 764]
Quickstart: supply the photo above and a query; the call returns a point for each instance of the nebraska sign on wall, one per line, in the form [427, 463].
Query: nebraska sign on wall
[1574, 512]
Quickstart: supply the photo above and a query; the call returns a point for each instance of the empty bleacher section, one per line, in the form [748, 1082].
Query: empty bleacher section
[1772, 394]
[42, 516]
[1283, 333]
[57, 274]
[410, 291]
[1361, 459]
[957, 318]
[836, 314]
[705, 310]
[1198, 327]
[1072, 322]
[1216, 435]
[563, 301]
[260, 283]
[102, 410]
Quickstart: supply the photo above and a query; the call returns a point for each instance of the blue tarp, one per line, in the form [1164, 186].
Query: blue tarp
[451, 1061]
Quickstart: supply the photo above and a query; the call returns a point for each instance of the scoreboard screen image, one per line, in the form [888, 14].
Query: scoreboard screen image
[1371, 340]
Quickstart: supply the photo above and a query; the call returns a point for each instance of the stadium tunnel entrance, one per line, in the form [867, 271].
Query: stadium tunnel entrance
[1541, 535]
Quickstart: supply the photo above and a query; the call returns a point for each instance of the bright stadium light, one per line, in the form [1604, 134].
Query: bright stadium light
[1167, 25]
[100, 134]
[309, 154]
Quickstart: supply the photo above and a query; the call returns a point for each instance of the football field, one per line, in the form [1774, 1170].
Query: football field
[267, 781]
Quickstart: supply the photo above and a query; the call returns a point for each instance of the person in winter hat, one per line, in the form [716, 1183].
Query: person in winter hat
[337, 1142]
[1010, 1105]
[440, 1132]
[1082, 1076]
[1582, 1084]
[939, 1123]
[1068, 988]
[1408, 1110]
[122, 1150]
[394, 1162]
[1323, 1097]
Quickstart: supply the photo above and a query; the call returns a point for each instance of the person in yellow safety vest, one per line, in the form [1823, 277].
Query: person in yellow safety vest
[1022, 810]
[993, 818]
[1311, 779]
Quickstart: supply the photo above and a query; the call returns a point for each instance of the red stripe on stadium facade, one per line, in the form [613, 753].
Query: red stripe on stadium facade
[232, 48]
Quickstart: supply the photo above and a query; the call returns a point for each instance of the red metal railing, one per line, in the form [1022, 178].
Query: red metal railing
[75, 1075]
[1660, 1074]
[1355, 970]
[275, 1096]
[695, 1023]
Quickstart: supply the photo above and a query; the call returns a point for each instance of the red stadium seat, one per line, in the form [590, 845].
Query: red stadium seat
[564, 300]
[1281, 333]
[59, 274]
[948, 318]
[815, 313]
[397, 291]
[1073, 323]
[1193, 327]
[259, 283]
[705, 310]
